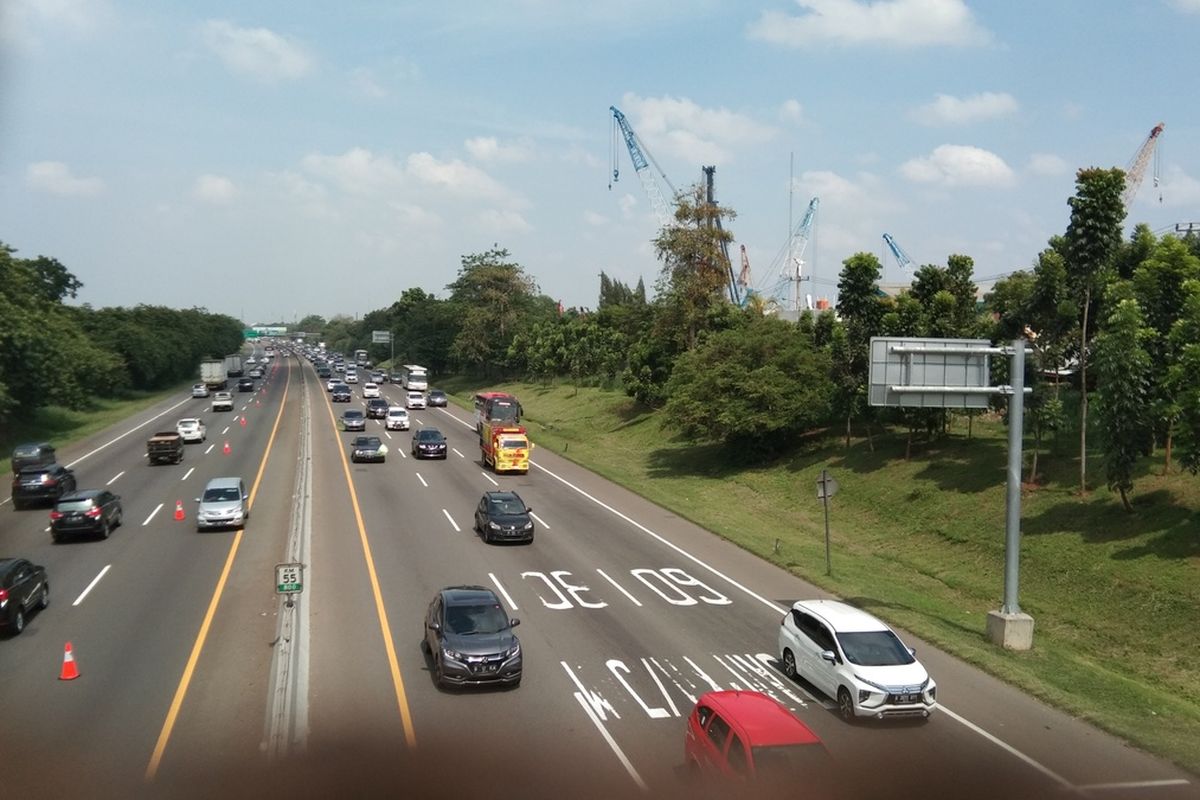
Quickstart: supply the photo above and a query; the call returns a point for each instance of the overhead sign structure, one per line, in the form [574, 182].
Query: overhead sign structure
[914, 372]
[381, 337]
[289, 578]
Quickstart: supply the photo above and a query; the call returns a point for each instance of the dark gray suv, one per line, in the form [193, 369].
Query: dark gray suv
[469, 637]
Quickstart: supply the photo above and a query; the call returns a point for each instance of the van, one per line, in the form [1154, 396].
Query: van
[224, 504]
[40, 454]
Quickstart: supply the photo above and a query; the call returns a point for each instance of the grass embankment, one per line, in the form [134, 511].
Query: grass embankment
[62, 426]
[1114, 596]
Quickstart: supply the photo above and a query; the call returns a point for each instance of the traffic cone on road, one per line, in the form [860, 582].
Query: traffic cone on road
[243, 422]
[69, 671]
[227, 449]
[178, 510]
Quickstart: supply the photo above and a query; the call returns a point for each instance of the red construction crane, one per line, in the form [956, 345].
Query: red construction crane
[1137, 167]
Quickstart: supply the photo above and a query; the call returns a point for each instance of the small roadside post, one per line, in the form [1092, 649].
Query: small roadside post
[826, 488]
[289, 580]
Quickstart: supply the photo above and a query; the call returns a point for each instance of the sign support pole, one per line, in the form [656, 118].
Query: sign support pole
[1012, 522]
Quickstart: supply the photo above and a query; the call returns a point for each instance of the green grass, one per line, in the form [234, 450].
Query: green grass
[1114, 596]
[62, 426]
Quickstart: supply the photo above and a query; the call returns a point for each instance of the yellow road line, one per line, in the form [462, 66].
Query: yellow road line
[185, 681]
[410, 737]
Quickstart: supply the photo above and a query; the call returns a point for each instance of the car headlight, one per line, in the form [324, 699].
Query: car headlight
[453, 655]
[529, 525]
[513, 651]
[494, 525]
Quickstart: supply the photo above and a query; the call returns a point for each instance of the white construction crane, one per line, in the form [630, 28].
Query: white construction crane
[1136, 170]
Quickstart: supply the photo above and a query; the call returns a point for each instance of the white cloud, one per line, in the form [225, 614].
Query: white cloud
[1178, 189]
[1187, 6]
[214, 189]
[488, 148]
[24, 23]
[364, 84]
[455, 176]
[416, 216]
[507, 221]
[949, 110]
[594, 219]
[681, 128]
[791, 111]
[898, 23]
[958, 165]
[54, 177]
[357, 171]
[1047, 164]
[256, 52]
[627, 203]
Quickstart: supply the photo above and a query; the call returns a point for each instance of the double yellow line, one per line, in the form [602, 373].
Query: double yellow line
[164, 735]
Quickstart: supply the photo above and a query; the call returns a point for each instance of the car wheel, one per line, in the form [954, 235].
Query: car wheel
[57, 537]
[18, 505]
[120, 519]
[487, 535]
[18, 621]
[44, 597]
[789, 664]
[105, 529]
[845, 705]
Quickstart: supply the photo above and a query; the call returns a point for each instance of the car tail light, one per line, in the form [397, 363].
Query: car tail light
[3, 596]
[55, 515]
[94, 513]
[46, 479]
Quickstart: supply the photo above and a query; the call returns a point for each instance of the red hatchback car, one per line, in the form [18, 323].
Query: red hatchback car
[748, 737]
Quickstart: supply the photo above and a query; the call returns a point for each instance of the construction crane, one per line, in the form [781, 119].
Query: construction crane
[1136, 170]
[902, 258]
[735, 296]
[800, 244]
[787, 268]
[642, 160]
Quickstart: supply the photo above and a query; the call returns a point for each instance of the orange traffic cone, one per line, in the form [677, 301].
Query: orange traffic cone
[227, 449]
[178, 510]
[69, 671]
[257, 403]
[243, 422]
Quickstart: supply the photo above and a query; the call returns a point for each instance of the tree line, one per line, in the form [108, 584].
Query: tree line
[53, 353]
[1112, 325]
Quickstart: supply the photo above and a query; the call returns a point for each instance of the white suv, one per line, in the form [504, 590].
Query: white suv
[414, 400]
[854, 658]
[397, 419]
[222, 401]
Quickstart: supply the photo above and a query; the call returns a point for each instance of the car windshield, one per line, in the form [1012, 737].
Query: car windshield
[369, 442]
[352, 415]
[508, 506]
[26, 450]
[429, 436]
[221, 495]
[74, 505]
[468, 619]
[395, 412]
[874, 649]
[511, 444]
[188, 423]
[808, 762]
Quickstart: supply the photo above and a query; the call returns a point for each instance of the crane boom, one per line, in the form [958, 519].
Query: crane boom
[641, 165]
[1137, 167]
[901, 257]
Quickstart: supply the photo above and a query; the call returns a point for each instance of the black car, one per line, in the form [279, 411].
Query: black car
[436, 398]
[40, 454]
[23, 587]
[429, 443]
[503, 516]
[41, 484]
[340, 393]
[367, 448]
[470, 639]
[95, 511]
[353, 420]
[245, 385]
[377, 408]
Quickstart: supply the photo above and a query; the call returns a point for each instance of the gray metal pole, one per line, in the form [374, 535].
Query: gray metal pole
[825, 502]
[1012, 522]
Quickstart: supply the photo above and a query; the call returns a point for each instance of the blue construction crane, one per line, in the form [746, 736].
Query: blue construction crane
[641, 164]
[902, 258]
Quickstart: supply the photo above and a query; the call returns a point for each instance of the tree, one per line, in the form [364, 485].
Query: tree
[1123, 372]
[493, 296]
[862, 308]
[1093, 237]
[1181, 380]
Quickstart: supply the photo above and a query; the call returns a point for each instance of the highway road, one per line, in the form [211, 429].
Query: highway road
[197, 679]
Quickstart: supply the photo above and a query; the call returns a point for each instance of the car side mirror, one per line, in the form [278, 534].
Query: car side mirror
[829, 655]
[514, 622]
[528, 509]
[434, 626]
[912, 652]
[197, 499]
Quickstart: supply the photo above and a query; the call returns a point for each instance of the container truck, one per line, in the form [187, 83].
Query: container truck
[212, 374]
[233, 366]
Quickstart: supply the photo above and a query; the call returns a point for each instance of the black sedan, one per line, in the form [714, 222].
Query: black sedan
[23, 587]
[353, 420]
[94, 511]
[367, 448]
[340, 393]
[503, 516]
[33, 484]
[377, 408]
[245, 385]
[436, 398]
[428, 443]
[470, 638]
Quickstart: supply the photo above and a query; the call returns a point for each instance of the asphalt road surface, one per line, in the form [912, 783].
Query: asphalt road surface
[198, 679]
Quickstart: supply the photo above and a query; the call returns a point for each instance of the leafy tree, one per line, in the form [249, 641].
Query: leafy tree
[492, 294]
[1181, 382]
[1124, 376]
[312, 323]
[862, 308]
[1092, 240]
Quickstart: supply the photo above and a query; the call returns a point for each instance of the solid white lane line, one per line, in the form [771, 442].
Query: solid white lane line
[210, 447]
[226, 430]
[455, 449]
[152, 513]
[507, 597]
[1049, 773]
[114, 478]
[452, 522]
[490, 478]
[92, 585]
[1100, 787]
[581, 697]
[540, 521]
[422, 480]
[620, 588]
[186, 474]
[126, 433]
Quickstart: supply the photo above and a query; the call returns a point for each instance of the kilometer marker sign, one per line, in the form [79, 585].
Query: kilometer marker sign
[289, 578]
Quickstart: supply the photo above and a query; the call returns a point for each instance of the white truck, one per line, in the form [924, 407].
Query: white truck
[212, 374]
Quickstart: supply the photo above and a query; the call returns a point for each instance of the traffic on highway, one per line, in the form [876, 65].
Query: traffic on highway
[353, 586]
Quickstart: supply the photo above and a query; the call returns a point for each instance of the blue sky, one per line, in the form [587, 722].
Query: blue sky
[275, 159]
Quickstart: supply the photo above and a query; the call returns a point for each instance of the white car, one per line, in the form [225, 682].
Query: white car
[251, 360]
[370, 390]
[396, 419]
[414, 399]
[332, 382]
[200, 390]
[192, 429]
[350, 377]
[854, 659]
[222, 401]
